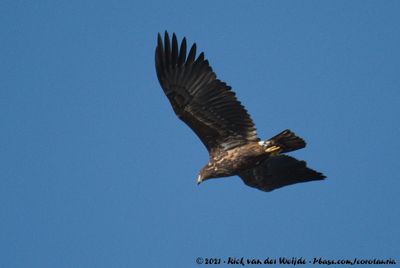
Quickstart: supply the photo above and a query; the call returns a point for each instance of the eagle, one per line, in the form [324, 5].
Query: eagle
[210, 108]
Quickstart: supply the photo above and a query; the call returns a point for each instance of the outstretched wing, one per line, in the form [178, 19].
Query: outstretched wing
[278, 171]
[207, 105]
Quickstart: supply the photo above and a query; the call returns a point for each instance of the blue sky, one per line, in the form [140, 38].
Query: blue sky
[96, 170]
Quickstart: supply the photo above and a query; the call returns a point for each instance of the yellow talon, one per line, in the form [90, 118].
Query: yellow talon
[274, 150]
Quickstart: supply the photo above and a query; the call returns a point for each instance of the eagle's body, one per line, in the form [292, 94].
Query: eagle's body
[230, 162]
[210, 108]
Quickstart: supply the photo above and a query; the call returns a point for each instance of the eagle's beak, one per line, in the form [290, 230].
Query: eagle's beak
[199, 180]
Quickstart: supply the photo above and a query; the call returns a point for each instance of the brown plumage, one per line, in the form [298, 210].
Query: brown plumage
[209, 107]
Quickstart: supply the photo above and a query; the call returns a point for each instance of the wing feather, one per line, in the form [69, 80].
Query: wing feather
[204, 103]
[278, 171]
[182, 53]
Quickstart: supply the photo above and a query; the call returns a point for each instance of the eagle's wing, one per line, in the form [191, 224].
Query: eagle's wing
[207, 105]
[278, 171]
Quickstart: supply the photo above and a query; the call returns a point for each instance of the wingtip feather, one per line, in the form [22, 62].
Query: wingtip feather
[182, 52]
[174, 56]
[192, 54]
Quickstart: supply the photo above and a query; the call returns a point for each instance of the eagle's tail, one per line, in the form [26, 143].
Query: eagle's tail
[284, 142]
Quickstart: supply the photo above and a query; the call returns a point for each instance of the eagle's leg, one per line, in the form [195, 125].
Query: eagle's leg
[274, 150]
[284, 142]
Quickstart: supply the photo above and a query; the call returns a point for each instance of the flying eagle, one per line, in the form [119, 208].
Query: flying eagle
[209, 107]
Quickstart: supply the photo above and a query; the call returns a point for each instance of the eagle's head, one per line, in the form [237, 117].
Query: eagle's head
[203, 176]
[207, 172]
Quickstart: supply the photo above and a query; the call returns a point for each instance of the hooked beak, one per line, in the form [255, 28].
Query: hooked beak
[199, 180]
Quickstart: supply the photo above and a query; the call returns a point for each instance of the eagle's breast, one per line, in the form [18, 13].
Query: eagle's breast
[228, 163]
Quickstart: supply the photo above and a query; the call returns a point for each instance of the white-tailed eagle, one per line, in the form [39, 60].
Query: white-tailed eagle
[209, 107]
